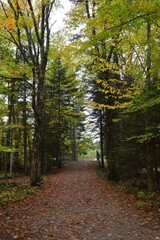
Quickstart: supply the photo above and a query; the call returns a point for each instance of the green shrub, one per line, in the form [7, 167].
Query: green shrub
[11, 192]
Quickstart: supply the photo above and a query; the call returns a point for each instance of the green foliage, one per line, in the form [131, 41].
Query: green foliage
[64, 106]
[87, 154]
[102, 175]
[122, 73]
[11, 192]
[112, 60]
[85, 144]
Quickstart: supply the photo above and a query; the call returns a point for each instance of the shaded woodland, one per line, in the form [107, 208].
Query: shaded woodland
[106, 59]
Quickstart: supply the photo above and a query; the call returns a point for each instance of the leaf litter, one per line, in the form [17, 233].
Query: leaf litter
[77, 205]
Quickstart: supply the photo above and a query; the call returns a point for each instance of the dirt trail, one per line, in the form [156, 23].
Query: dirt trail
[76, 205]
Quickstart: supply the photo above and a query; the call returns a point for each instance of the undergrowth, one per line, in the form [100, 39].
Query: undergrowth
[143, 199]
[146, 200]
[11, 192]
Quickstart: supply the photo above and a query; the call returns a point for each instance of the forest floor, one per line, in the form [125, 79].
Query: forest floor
[76, 204]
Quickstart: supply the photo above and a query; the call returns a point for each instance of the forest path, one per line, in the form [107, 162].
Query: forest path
[77, 205]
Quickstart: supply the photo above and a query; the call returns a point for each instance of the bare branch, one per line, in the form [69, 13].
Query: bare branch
[141, 63]
[4, 10]
[87, 9]
[34, 21]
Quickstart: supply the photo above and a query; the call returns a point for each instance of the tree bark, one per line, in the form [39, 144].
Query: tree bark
[149, 159]
[109, 146]
[39, 138]
[101, 139]
[74, 143]
[25, 133]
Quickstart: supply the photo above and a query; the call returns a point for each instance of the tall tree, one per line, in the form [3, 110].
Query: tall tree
[121, 59]
[26, 25]
[64, 107]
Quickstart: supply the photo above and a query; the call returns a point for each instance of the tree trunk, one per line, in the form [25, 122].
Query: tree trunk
[11, 164]
[74, 143]
[149, 160]
[25, 143]
[38, 148]
[109, 146]
[25, 130]
[157, 180]
[101, 139]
